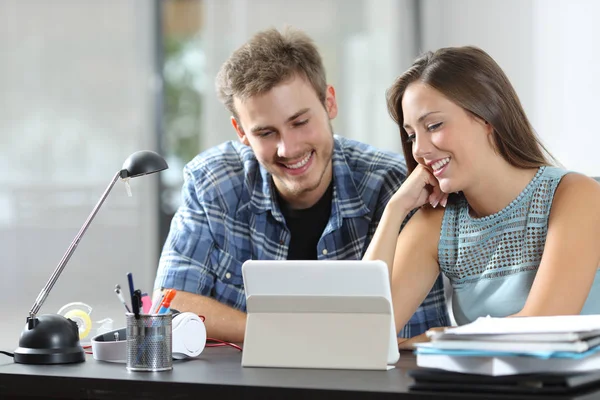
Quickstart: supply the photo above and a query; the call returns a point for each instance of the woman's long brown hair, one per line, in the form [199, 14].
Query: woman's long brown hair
[469, 77]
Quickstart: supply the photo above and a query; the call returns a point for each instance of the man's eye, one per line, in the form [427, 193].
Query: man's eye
[299, 123]
[265, 134]
[433, 127]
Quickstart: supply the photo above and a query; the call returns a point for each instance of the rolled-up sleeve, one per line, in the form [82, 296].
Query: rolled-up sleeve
[185, 260]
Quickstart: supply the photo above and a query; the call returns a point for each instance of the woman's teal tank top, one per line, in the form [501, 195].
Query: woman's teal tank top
[491, 262]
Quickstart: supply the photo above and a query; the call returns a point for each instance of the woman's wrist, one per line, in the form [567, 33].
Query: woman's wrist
[395, 213]
[395, 207]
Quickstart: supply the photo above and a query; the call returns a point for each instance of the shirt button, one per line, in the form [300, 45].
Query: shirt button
[324, 252]
[281, 242]
[228, 275]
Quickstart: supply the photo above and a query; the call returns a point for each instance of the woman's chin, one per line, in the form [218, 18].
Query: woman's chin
[446, 186]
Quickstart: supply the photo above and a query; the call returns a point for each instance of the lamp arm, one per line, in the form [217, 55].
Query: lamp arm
[63, 262]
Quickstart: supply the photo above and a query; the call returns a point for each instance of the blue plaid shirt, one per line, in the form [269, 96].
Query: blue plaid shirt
[230, 214]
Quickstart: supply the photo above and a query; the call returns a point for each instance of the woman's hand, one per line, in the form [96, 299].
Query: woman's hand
[409, 344]
[419, 188]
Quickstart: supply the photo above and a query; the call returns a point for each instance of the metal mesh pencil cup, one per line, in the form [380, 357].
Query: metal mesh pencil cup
[149, 342]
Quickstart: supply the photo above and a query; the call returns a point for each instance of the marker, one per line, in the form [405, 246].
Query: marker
[166, 303]
[146, 303]
[120, 295]
[136, 302]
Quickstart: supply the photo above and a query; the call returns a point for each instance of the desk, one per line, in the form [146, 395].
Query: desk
[216, 372]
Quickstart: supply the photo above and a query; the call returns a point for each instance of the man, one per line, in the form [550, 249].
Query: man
[289, 190]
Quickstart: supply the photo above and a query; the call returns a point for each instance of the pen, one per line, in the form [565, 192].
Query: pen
[166, 303]
[120, 295]
[130, 280]
[156, 303]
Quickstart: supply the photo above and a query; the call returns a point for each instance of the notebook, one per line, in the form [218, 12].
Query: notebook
[551, 383]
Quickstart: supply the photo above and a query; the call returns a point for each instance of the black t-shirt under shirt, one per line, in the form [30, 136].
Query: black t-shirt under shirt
[306, 226]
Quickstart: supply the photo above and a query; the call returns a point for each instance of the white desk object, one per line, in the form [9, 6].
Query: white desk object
[319, 314]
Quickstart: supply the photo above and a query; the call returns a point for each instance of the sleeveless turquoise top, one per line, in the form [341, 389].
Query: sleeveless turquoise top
[491, 262]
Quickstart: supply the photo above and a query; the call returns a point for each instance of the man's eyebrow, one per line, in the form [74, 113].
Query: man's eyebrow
[259, 128]
[299, 113]
[421, 118]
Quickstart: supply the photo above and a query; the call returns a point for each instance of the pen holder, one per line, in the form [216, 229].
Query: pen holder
[149, 342]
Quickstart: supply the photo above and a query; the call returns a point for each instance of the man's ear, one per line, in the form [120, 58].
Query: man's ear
[239, 131]
[330, 102]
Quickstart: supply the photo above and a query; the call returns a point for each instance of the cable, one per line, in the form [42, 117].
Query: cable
[6, 353]
[221, 343]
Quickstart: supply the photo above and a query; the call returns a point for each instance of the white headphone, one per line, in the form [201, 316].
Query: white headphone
[189, 335]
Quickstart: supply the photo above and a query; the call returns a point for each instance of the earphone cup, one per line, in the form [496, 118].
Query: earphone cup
[176, 321]
[196, 343]
[189, 335]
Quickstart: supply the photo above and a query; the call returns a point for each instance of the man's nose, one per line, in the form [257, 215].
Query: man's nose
[289, 145]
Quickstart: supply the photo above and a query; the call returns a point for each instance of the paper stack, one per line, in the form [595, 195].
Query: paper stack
[508, 346]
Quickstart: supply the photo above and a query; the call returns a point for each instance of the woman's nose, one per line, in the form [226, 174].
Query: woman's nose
[421, 147]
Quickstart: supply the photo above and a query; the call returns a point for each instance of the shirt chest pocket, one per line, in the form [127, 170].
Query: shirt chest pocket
[227, 269]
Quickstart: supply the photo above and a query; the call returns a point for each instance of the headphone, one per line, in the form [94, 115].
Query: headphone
[189, 335]
[188, 340]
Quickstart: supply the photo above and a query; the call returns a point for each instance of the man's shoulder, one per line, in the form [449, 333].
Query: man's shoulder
[363, 157]
[230, 157]
[221, 173]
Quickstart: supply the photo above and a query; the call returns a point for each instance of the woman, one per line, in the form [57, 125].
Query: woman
[514, 235]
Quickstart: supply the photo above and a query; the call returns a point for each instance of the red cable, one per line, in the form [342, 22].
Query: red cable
[219, 343]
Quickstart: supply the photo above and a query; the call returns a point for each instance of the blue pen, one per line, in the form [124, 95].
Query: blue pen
[131, 287]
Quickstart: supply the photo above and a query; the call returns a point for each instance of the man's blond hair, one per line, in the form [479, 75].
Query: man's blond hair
[268, 59]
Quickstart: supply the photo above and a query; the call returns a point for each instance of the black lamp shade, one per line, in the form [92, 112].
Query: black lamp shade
[53, 340]
[142, 163]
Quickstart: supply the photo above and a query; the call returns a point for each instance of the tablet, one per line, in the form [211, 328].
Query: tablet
[352, 278]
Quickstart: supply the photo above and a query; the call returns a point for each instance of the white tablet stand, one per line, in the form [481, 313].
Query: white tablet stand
[320, 331]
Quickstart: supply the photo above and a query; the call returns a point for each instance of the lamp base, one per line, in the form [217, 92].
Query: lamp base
[49, 339]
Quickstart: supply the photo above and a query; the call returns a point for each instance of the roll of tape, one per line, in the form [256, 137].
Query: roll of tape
[83, 321]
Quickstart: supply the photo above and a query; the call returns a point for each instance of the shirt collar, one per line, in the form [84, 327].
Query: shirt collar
[347, 202]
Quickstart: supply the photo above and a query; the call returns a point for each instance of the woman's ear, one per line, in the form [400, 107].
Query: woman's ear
[489, 130]
[489, 127]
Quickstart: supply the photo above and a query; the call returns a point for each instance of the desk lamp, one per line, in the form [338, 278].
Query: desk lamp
[52, 338]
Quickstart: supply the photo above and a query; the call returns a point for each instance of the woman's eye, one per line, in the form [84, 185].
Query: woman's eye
[410, 138]
[433, 127]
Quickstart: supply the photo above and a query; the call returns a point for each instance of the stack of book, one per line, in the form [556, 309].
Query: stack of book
[520, 345]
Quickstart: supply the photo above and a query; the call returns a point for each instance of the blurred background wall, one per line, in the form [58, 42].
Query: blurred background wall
[83, 84]
[79, 83]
